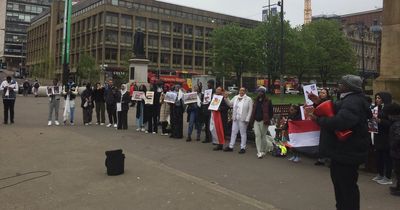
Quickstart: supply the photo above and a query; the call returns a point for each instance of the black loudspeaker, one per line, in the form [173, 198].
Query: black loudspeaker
[115, 161]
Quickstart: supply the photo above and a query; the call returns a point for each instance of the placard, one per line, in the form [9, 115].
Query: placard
[119, 107]
[373, 123]
[137, 95]
[56, 90]
[307, 89]
[207, 96]
[215, 102]
[50, 90]
[170, 97]
[149, 97]
[189, 98]
[306, 111]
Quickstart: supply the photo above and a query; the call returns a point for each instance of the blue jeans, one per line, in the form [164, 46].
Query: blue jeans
[139, 121]
[72, 109]
[194, 122]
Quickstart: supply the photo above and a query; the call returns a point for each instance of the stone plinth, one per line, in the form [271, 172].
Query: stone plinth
[389, 79]
[138, 71]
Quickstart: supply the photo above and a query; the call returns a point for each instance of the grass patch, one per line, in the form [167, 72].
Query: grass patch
[286, 99]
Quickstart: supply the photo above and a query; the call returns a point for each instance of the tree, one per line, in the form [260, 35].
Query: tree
[87, 70]
[233, 49]
[331, 54]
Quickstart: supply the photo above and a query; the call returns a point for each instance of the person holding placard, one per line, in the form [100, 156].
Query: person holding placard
[165, 111]
[242, 108]
[151, 110]
[219, 118]
[111, 102]
[193, 112]
[10, 90]
[54, 102]
[123, 98]
[205, 113]
[87, 104]
[177, 115]
[140, 110]
[70, 92]
[260, 117]
[99, 100]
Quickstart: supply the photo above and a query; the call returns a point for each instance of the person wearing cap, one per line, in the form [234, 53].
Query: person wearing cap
[352, 112]
[10, 90]
[260, 119]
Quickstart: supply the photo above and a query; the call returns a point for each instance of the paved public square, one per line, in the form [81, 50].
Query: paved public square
[160, 173]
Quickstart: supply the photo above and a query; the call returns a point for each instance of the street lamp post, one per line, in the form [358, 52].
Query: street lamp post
[280, 3]
[361, 31]
[376, 29]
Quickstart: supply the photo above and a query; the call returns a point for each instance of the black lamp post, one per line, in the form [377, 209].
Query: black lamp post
[361, 32]
[376, 29]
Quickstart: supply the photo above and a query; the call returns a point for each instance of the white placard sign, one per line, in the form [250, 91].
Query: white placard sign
[307, 89]
[215, 102]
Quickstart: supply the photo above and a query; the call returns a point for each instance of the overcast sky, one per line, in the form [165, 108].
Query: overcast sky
[294, 9]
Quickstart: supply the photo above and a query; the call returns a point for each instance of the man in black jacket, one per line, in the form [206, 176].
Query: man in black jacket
[352, 112]
[111, 102]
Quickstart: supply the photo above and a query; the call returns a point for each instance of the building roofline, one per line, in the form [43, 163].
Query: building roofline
[348, 15]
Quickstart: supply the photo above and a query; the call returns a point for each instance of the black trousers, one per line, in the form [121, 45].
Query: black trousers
[384, 163]
[100, 112]
[152, 123]
[8, 107]
[344, 178]
[122, 120]
[177, 122]
[207, 129]
[396, 167]
[112, 113]
[164, 126]
[87, 114]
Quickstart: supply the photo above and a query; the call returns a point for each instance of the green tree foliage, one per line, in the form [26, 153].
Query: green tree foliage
[86, 69]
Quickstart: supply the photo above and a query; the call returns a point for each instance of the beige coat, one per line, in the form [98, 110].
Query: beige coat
[165, 109]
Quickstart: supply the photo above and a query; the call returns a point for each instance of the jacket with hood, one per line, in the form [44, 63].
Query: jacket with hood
[381, 139]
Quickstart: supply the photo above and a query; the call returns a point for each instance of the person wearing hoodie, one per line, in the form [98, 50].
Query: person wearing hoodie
[98, 95]
[111, 103]
[165, 110]
[193, 112]
[242, 108]
[140, 111]
[54, 102]
[123, 97]
[393, 113]
[87, 104]
[351, 113]
[381, 140]
[10, 90]
[70, 92]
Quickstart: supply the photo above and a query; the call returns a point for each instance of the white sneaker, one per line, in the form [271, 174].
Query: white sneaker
[143, 130]
[377, 178]
[146, 132]
[291, 158]
[385, 181]
[137, 129]
[97, 123]
[259, 155]
[72, 123]
[109, 125]
[49, 123]
[154, 132]
[297, 159]
[102, 123]
[86, 124]
[263, 154]
[115, 125]
[57, 123]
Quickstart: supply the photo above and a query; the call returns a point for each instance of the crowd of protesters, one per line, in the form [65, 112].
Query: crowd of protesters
[352, 112]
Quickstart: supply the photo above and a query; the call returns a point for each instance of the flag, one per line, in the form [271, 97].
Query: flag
[216, 128]
[304, 136]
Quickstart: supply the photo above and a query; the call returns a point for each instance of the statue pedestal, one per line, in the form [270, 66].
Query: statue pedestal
[389, 79]
[138, 71]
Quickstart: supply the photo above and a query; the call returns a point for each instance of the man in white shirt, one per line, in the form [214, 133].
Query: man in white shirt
[10, 90]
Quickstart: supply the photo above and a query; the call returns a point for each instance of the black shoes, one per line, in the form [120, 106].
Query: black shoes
[228, 149]
[242, 151]
[206, 141]
[188, 139]
[319, 163]
[395, 191]
[218, 147]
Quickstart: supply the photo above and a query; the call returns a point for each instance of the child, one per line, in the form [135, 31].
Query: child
[294, 114]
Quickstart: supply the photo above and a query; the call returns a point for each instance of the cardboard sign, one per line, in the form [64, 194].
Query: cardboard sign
[119, 107]
[307, 89]
[149, 97]
[56, 90]
[50, 90]
[170, 97]
[137, 95]
[207, 96]
[215, 102]
[190, 98]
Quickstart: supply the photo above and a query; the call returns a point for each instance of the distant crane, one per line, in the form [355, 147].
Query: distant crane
[307, 11]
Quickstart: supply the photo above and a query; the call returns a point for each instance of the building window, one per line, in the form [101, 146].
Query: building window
[153, 25]
[94, 21]
[198, 61]
[188, 30]
[208, 62]
[188, 45]
[208, 32]
[177, 28]
[153, 57]
[126, 21]
[177, 44]
[126, 38]
[111, 37]
[141, 23]
[188, 60]
[112, 19]
[153, 41]
[177, 59]
[111, 54]
[166, 27]
[114, 2]
[164, 58]
[165, 43]
[198, 31]
[199, 46]
[100, 19]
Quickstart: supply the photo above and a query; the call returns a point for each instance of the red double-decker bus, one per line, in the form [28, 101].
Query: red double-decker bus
[172, 77]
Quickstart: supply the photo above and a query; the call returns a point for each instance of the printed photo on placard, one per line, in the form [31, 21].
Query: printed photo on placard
[207, 96]
[307, 89]
[149, 97]
[56, 90]
[170, 97]
[137, 95]
[189, 98]
[215, 102]
[50, 90]
[306, 112]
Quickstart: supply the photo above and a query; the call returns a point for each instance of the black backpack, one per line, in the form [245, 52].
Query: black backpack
[115, 161]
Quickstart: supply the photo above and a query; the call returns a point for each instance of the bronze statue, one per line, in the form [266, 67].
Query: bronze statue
[138, 45]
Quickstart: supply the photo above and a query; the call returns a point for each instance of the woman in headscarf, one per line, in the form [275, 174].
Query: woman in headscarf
[165, 111]
[219, 121]
[123, 98]
[177, 115]
[140, 111]
[87, 104]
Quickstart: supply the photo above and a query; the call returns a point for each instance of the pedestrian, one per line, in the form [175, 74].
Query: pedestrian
[381, 140]
[54, 102]
[393, 113]
[99, 101]
[26, 86]
[70, 92]
[87, 104]
[140, 110]
[132, 88]
[242, 106]
[193, 112]
[219, 121]
[294, 115]
[10, 90]
[36, 86]
[177, 114]
[165, 110]
[111, 103]
[260, 119]
[323, 96]
[123, 99]
[205, 113]
[352, 112]
[153, 110]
